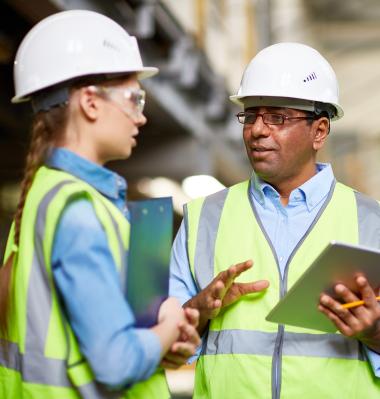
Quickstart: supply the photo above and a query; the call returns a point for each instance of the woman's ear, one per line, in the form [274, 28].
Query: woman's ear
[322, 130]
[89, 102]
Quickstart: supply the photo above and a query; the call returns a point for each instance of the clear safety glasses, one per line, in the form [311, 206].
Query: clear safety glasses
[131, 101]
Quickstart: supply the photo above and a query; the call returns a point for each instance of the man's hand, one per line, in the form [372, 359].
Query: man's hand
[187, 343]
[362, 322]
[222, 292]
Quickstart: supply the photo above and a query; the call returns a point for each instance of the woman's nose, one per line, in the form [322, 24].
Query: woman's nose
[141, 121]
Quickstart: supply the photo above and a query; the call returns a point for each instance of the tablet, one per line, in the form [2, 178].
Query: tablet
[338, 262]
[147, 274]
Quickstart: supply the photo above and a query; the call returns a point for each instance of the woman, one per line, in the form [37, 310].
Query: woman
[67, 329]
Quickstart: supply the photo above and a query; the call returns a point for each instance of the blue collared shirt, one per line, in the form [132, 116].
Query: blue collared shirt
[284, 225]
[87, 281]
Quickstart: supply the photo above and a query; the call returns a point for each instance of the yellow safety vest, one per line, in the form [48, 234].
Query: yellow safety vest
[44, 360]
[246, 356]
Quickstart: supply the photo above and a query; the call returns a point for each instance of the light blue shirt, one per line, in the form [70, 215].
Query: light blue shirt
[284, 225]
[87, 280]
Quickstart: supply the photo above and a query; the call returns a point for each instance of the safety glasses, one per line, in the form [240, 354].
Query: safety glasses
[124, 97]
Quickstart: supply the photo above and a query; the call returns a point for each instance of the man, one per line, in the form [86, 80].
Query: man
[270, 229]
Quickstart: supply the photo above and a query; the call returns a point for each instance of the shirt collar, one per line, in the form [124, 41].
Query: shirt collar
[102, 179]
[314, 190]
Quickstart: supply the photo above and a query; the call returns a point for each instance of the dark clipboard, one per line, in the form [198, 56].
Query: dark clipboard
[338, 262]
[147, 272]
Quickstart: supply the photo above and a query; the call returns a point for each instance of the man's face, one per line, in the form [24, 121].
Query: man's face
[280, 153]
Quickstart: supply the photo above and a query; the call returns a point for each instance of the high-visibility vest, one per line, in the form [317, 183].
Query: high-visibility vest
[44, 360]
[244, 355]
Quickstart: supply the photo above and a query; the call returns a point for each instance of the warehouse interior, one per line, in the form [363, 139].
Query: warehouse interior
[192, 143]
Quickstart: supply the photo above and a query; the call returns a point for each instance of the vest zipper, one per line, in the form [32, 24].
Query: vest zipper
[277, 362]
[277, 353]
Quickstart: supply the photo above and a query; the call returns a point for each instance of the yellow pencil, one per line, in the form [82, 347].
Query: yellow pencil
[356, 303]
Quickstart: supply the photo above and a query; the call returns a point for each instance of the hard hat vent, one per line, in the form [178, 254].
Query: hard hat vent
[312, 76]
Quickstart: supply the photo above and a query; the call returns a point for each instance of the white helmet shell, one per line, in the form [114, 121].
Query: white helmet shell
[71, 44]
[290, 71]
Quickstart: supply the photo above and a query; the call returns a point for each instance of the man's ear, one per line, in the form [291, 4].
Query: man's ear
[322, 129]
[89, 102]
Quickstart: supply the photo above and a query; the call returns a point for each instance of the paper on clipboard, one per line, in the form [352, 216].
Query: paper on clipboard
[147, 279]
[338, 262]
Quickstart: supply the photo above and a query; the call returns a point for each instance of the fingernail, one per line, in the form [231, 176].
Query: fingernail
[361, 280]
[339, 288]
[324, 300]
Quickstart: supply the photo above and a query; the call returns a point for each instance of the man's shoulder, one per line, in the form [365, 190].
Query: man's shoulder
[359, 195]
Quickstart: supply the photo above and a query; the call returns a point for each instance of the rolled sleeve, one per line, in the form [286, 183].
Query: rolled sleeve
[181, 282]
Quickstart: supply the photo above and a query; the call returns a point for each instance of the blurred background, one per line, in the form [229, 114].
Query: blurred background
[192, 143]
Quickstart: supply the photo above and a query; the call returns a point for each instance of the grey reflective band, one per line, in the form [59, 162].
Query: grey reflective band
[39, 288]
[10, 359]
[368, 220]
[206, 237]
[35, 368]
[53, 372]
[249, 342]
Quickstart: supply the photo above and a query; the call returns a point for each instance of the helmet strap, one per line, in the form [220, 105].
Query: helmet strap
[50, 98]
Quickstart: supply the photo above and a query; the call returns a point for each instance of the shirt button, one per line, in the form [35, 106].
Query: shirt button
[281, 258]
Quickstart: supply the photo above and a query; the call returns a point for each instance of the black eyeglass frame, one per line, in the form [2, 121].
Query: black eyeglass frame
[263, 116]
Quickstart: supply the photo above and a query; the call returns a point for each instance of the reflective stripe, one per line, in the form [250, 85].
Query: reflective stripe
[206, 237]
[369, 220]
[52, 372]
[248, 342]
[35, 368]
[39, 289]
[11, 359]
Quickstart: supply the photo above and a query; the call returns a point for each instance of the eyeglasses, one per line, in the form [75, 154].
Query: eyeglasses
[135, 96]
[249, 118]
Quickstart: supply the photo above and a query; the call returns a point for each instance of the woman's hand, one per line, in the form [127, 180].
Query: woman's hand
[187, 343]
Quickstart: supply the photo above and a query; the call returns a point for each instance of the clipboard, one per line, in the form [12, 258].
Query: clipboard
[147, 272]
[338, 262]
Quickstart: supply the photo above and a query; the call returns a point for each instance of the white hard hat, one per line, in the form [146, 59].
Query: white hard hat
[72, 44]
[293, 72]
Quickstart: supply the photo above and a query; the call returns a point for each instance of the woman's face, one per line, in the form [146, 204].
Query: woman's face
[120, 117]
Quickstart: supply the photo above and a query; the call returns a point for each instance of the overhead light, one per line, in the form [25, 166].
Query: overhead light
[164, 187]
[201, 185]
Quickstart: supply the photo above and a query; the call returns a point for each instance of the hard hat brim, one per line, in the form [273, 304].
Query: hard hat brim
[239, 100]
[147, 72]
[143, 73]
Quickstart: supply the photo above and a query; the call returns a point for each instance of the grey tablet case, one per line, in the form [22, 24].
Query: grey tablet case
[337, 263]
[147, 279]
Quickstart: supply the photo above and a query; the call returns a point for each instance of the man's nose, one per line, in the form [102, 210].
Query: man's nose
[259, 128]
